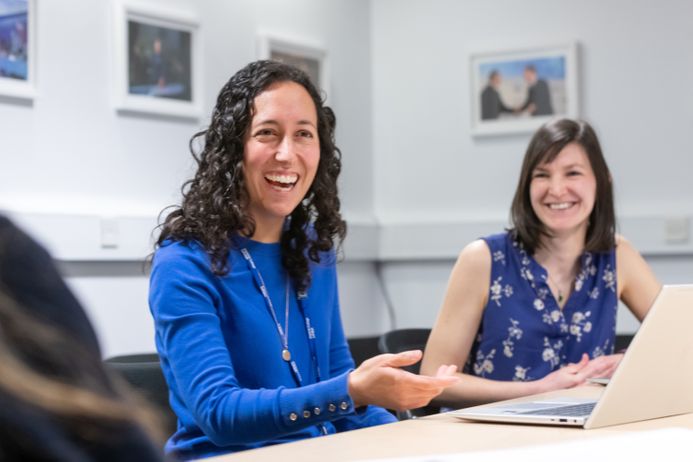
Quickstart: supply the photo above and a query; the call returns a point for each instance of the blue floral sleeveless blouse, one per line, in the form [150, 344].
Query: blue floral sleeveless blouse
[524, 335]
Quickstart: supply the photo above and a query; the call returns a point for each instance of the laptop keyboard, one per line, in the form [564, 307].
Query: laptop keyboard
[574, 410]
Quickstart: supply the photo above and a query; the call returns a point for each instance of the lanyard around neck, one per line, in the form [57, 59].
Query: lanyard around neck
[310, 331]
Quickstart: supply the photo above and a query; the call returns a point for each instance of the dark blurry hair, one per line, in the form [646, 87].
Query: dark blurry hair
[51, 376]
[544, 146]
[215, 200]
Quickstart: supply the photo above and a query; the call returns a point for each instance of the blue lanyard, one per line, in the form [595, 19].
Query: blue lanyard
[310, 331]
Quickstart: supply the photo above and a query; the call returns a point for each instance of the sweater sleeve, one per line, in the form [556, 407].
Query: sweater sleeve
[184, 302]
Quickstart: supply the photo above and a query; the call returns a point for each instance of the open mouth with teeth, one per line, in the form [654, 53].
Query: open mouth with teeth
[282, 182]
[560, 205]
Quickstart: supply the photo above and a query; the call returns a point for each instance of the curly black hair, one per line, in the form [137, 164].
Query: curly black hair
[215, 201]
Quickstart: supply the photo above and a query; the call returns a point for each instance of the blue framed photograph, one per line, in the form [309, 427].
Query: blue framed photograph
[17, 49]
[517, 91]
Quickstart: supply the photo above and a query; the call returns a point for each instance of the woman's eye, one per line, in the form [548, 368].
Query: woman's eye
[305, 134]
[264, 133]
[540, 175]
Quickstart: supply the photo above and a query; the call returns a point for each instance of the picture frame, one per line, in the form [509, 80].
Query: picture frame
[307, 55]
[157, 60]
[517, 91]
[18, 49]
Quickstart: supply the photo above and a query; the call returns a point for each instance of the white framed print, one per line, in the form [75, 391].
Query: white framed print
[18, 49]
[307, 55]
[517, 91]
[157, 55]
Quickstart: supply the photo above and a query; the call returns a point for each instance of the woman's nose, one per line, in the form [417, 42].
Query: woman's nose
[556, 185]
[285, 150]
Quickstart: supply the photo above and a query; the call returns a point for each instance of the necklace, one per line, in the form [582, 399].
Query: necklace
[559, 296]
[283, 332]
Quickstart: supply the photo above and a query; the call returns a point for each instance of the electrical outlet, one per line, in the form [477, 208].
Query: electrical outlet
[110, 236]
[676, 230]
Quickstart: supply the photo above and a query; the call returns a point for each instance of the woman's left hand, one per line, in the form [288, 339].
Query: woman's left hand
[602, 366]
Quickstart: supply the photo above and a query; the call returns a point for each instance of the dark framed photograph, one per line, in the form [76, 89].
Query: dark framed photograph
[517, 91]
[157, 53]
[17, 48]
[309, 57]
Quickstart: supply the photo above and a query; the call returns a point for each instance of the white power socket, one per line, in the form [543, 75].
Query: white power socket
[110, 235]
[676, 230]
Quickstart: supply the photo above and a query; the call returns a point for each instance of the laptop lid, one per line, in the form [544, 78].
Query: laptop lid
[653, 380]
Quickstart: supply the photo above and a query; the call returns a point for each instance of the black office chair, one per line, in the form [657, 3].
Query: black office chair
[400, 340]
[143, 373]
[622, 342]
[363, 348]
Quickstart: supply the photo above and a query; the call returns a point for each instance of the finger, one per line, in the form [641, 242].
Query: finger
[426, 384]
[595, 370]
[584, 361]
[445, 370]
[580, 379]
[389, 359]
[611, 370]
[575, 367]
[405, 358]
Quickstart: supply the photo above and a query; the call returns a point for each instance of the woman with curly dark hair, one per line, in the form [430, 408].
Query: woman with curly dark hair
[244, 286]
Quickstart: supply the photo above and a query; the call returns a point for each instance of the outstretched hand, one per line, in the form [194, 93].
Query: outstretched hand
[568, 376]
[575, 374]
[379, 381]
[603, 366]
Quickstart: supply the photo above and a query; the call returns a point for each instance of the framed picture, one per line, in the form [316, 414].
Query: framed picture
[18, 48]
[517, 91]
[309, 57]
[157, 60]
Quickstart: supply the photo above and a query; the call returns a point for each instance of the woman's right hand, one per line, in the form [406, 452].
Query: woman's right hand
[381, 382]
[569, 376]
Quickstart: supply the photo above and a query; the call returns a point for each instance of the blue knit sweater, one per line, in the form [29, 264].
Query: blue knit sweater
[221, 353]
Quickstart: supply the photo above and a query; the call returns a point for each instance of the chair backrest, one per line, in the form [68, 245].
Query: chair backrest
[622, 342]
[362, 348]
[143, 373]
[400, 340]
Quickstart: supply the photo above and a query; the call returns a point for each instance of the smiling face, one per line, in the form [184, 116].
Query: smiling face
[563, 191]
[281, 155]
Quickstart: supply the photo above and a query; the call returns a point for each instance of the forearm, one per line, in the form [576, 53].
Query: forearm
[472, 390]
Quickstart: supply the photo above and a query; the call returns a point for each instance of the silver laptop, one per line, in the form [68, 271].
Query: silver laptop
[654, 379]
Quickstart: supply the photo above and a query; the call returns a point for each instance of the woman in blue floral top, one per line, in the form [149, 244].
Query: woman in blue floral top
[534, 309]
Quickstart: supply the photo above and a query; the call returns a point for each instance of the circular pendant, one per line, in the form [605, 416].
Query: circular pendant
[286, 355]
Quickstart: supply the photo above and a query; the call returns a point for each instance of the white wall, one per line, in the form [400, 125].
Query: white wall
[633, 82]
[437, 187]
[70, 152]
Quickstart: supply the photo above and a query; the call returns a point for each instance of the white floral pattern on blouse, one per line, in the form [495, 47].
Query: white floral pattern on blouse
[523, 322]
